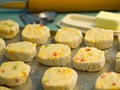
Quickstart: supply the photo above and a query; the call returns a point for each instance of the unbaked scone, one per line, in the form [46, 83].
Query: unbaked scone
[89, 59]
[4, 88]
[23, 51]
[8, 29]
[69, 36]
[59, 78]
[108, 81]
[54, 54]
[28, 85]
[117, 62]
[36, 33]
[100, 39]
[2, 47]
[14, 73]
[2, 44]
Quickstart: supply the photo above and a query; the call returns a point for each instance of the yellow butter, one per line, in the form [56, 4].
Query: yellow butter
[108, 20]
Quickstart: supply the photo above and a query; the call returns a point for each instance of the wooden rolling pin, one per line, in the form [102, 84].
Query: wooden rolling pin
[65, 5]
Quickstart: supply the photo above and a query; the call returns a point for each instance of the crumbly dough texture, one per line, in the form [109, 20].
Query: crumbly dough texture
[69, 36]
[108, 81]
[89, 59]
[4, 88]
[36, 33]
[2, 44]
[101, 39]
[14, 73]
[8, 29]
[23, 51]
[2, 48]
[59, 78]
[54, 54]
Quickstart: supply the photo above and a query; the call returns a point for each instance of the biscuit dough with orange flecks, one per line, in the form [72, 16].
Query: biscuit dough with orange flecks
[36, 33]
[89, 59]
[59, 78]
[54, 54]
[69, 36]
[108, 81]
[8, 29]
[14, 73]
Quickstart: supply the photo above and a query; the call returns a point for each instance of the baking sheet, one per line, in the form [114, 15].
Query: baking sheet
[83, 22]
[86, 80]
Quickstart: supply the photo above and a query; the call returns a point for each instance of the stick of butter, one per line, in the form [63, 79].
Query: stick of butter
[108, 20]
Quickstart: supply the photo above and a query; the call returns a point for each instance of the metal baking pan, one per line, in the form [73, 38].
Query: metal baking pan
[86, 80]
